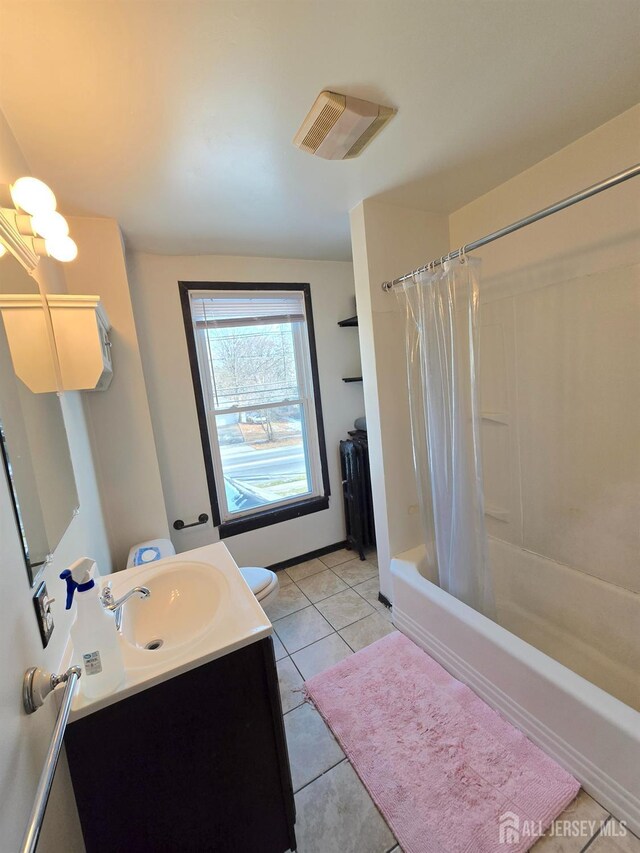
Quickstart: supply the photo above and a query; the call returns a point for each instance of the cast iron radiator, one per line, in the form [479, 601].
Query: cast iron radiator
[356, 486]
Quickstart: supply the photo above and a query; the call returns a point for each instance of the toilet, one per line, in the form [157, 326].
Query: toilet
[262, 582]
[148, 552]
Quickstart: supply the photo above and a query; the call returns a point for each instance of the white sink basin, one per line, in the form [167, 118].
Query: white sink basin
[185, 598]
[200, 609]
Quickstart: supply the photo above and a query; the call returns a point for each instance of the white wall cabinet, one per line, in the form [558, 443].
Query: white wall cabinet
[81, 332]
[80, 329]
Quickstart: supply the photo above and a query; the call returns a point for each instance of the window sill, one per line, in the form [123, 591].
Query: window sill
[271, 516]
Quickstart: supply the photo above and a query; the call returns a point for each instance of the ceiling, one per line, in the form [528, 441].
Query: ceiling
[176, 117]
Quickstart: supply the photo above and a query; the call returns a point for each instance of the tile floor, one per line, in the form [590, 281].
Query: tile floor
[327, 609]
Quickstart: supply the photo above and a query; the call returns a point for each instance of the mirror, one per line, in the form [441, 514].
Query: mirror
[34, 445]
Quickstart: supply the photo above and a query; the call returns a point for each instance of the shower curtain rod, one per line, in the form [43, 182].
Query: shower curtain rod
[632, 172]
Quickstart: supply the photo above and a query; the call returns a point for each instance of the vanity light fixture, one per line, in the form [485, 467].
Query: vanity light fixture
[50, 225]
[62, 249]
[32, 227]
[32, 196]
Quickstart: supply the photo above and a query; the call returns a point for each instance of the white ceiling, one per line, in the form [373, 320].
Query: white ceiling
[176, 118]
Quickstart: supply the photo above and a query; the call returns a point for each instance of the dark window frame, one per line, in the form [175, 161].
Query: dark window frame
[267, 516]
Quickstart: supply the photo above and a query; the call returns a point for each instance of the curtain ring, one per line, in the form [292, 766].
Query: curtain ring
[462, 255]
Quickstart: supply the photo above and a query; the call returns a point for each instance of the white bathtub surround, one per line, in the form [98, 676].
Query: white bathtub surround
[441, 334]
[590, 733]
[559, 322]
[559, 355]
[585, 623]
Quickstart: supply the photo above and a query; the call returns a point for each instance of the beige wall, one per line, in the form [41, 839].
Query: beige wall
[154, 287]
[25, 739]
[387, 241]
[119, 420]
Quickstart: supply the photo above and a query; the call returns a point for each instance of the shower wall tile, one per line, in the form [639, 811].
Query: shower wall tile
[578, 354]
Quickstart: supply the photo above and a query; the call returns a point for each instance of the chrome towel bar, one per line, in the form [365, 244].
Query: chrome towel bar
[37, 686]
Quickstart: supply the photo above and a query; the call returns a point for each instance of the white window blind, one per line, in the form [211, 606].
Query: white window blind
[254, 359]
[242, 309]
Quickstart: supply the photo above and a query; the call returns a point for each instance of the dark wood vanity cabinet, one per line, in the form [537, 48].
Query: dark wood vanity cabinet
[197, 763]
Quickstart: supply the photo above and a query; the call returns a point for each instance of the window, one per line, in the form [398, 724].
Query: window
[255, 376]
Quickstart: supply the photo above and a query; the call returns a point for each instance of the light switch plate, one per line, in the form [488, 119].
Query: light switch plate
[42, 605]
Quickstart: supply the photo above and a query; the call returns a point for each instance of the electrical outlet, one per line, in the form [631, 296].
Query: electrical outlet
[42, 604]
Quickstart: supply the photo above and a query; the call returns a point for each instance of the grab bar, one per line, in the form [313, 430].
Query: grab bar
[179, 524]
[37, 686]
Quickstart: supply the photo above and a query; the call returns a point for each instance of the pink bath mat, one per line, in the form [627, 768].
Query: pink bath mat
[448, 773]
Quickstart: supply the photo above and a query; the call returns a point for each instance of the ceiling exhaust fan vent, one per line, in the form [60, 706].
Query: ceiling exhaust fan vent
[322, 123]
[338, 127]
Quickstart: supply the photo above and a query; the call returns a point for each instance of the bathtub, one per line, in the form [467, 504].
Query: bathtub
[589, 732]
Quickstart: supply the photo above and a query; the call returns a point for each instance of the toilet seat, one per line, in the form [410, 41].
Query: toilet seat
[261, 581]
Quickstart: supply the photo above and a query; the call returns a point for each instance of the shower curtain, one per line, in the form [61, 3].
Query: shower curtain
[442, 364]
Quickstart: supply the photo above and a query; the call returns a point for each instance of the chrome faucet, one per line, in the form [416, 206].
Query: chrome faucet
[115, 605]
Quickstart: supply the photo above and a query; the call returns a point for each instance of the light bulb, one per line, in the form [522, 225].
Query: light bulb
[61, 248]
[51, 225]
[3, 250]
[33, 196]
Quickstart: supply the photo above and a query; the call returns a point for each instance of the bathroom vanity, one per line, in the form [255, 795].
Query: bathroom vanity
[190, 754]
